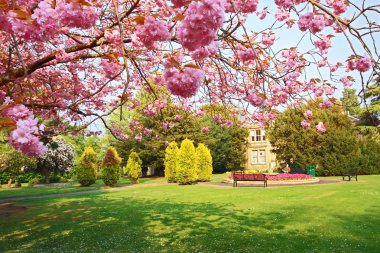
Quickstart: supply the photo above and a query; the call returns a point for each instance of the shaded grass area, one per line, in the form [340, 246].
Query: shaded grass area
[170, 218]
[72, 187]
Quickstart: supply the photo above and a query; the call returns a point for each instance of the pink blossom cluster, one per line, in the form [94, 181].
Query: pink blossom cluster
[315, 23]
[268, 39]
[205, 129]
[244, 6]
[288, 176]
[153, 30]
[282, 14]
[199, 113]
[326, 104]
[166, 125]
[205, 51]
[255, 99]
[361, 64]
[246, 55]
[134, 125]
[321, 127]
[339, 6]
[148, 132]
[305, 123]
[24, 137]
[286, 4]
[308, 114]
[346, 81]
[50, 21]
[323, 44]
[111, 68]
[202, 20]
[184, 83]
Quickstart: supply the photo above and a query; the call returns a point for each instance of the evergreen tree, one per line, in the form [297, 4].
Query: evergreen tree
[171, 156]
[86, 169]
[333, 151]
[133, 168]
[204, 163]
[111, 167]
[186, 168]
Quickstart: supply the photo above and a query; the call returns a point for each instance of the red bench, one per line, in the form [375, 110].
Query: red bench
[249, 177]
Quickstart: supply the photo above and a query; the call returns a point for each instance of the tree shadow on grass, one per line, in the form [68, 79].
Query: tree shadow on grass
[100, 223]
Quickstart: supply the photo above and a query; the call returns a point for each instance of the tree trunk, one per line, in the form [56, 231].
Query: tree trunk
[47, 176]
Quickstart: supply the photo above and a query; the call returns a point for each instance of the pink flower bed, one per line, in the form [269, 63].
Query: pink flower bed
[288, 176]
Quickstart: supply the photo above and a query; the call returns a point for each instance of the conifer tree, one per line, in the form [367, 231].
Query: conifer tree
[133, 168]
[204, 163]
[171, 156]
[86, 169]
[111, 167]
[186, 168]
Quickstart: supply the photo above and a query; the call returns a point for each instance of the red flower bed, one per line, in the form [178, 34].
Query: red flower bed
[288, 176]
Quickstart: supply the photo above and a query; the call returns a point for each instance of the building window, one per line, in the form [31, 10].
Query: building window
[258, 135]
[258, 156]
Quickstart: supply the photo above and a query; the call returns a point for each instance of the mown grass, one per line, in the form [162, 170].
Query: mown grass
[341, 217]
[71, 187]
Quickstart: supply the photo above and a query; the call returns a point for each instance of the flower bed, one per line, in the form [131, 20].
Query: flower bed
[288, 176]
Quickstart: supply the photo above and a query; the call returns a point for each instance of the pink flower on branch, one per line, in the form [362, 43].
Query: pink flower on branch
[184, 83]
[321, 127]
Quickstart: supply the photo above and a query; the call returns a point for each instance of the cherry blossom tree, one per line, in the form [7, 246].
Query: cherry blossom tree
[77, 61]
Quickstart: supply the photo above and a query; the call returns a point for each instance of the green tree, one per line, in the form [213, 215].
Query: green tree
[373, 95]
[307, 146]
[133, 168]
[204, 163]
[186, 168]
[13, 163]
[351, 102]
[171, 156]
[111, 167]
[86, 168]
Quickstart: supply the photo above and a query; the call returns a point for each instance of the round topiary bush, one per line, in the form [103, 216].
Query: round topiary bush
[86, 169]
[133, 168]
[111, 167]
[186, 168]
[171, 153]
[204, 163]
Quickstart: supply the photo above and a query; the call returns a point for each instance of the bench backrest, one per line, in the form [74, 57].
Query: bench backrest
[253, 177]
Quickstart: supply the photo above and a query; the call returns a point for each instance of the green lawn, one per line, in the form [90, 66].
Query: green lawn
[342, 217]
[72, 187]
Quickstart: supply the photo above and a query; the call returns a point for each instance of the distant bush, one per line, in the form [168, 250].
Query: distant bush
[24, 177]
[186, 167]
[111, 167]
[170, 162]
[86, 168]
[34, 181]
[204, 163]
[133, 168]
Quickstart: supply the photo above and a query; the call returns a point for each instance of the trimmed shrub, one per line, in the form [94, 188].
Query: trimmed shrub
[111, 167]
[171, 153]
[133, 168]
[186, 168]
[86, 169]
[34, 181]
[204, 163]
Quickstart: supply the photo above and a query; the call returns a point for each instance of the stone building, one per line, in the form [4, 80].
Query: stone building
[259, 156]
